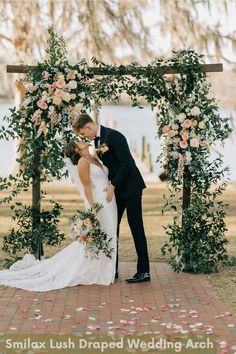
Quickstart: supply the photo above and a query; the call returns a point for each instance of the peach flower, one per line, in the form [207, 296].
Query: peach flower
[84, 238]
[58, 92]
[42, 104]
[194, 122]
[166, 129]
[183, 144]
[185, 135]
[187, 123]
[60, 83]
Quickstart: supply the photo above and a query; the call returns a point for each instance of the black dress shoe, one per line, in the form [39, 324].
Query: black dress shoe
[116, 275]
[139, 277]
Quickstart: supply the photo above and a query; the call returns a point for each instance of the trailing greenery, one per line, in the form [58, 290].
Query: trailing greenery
[25, 238]
[187, 121]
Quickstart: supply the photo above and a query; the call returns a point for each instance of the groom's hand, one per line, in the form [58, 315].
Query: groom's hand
[110, 191]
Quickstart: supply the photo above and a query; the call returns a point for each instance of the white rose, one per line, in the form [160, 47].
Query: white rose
[195, 111]
[202, 125]
[175, 154]
[181, 117]
[175, 126]
[188, 157]
[26, 101]
[205, 144]
[56, 100]
[172, 133]
[72, 84]
[73, 96]
[51, 108]
[44, 95]
[194, 142]
[66, 96]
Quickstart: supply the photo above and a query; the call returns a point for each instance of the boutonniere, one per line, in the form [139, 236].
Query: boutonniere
[102, 149]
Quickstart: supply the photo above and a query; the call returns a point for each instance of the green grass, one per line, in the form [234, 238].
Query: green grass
[67, 195]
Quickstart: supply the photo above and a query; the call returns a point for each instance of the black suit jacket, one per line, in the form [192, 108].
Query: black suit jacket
[123, 172]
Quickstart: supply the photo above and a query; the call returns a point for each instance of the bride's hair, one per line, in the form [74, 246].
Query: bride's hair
[70, 151]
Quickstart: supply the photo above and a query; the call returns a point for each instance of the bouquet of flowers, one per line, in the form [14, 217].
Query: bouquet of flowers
[86, 228]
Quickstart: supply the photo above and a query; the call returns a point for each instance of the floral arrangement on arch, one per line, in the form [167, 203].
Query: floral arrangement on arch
[190, 124]
[58, 95]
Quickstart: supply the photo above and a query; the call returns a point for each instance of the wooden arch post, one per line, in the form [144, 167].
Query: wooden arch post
[36, 198]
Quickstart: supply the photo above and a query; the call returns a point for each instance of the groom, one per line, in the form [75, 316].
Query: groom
[125, 181]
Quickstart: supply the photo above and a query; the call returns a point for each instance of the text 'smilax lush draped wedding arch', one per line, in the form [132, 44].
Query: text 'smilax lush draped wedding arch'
[187, 119]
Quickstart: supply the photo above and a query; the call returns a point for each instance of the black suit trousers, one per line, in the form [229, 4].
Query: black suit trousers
[133, 206]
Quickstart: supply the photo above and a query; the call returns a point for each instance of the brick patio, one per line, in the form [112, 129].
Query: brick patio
[170, 303]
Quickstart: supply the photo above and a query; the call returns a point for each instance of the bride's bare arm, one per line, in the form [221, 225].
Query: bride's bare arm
[84, 174]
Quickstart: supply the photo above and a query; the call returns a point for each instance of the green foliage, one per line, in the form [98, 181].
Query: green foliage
[28, 234]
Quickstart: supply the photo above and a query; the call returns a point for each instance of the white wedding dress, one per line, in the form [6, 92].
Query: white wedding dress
[70, 267]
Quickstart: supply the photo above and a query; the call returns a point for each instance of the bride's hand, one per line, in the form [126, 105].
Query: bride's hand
[110, 191]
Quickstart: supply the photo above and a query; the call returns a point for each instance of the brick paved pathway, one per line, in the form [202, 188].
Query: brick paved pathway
[170, 303]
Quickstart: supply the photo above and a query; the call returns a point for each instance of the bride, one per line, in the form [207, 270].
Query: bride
[70, 267]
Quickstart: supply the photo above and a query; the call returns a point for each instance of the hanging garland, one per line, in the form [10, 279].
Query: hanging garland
[187, 121]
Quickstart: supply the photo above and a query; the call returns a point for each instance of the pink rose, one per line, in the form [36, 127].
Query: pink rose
[58, 92]
[183, 144]
[36, 118]
[166, 129]
[42, 104]
[60, 83]
[185, 135]
[187, 123]
[42, 129]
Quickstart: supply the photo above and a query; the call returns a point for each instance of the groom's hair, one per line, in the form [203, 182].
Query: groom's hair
[80, 121]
